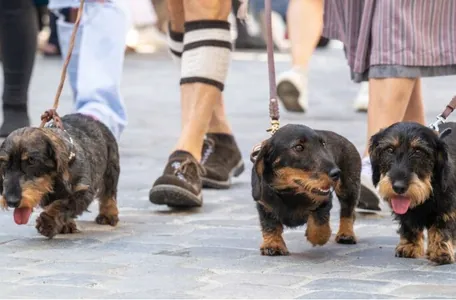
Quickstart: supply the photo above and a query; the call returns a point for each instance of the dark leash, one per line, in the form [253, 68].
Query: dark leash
[51, 114]
[274, 115]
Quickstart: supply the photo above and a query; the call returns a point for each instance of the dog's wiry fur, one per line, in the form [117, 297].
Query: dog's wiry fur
[37, 169]
[414, 170]
[292, 185]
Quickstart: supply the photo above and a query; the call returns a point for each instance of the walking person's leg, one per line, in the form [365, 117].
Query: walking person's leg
[96, 68]
[305, 25]
[18, 42]
[204, 66]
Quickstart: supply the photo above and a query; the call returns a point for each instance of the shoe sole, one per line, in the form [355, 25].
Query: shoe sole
[370, 202]
[174, 196]
[289, 96]
[221, 185]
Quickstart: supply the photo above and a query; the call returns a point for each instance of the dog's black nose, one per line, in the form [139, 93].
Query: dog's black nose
[399, 186]
[12, 201]
[334, 174]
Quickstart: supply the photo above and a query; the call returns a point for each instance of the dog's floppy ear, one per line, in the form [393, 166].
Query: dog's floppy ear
[446, 132]
[58, 151]
[443, 168]
[258, 169]
[374, 155]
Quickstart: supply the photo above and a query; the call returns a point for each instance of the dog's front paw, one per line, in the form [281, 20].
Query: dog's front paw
[409, 250]
[346, 234]
[274, 247]
[317, 234]
[441, 254]
[48, 225]
[107, 220]
[347, 239]
[69, 228]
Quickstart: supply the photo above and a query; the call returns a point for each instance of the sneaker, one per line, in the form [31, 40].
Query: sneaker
[369, 200]
[221, 160]
[292, 89]
[180, 185]
[362, 100]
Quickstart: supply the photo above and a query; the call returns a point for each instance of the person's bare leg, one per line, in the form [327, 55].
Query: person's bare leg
[305, 25]
[388, 102]
[305, 19]
[219, 122]
[415, 108]
[204, 66]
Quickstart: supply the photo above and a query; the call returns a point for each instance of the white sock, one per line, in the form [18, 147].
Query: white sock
[366, 167]
[207, 53]
[175, 45]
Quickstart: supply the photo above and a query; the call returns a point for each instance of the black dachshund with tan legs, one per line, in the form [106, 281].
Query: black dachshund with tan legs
[294, 175]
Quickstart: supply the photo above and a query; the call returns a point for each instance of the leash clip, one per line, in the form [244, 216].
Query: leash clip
[440, 120]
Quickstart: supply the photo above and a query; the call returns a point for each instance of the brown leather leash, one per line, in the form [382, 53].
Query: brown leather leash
[444, 115]
[51, 114]
[274, 114]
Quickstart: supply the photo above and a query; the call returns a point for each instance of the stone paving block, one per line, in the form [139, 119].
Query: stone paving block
[175, 283]
[152, 294]
[383, 257]
[349, 285]
[426, 291]
[417, 277]
[343, 295]
[247, 291]
[54, 292]
[66, 279]
[213, 252]
[263, 279]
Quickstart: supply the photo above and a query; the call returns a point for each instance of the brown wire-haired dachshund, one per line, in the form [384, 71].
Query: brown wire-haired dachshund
[413, 168]
[62, 171]
[293, 177]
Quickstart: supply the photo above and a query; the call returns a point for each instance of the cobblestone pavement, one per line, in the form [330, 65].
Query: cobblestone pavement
[212, 252]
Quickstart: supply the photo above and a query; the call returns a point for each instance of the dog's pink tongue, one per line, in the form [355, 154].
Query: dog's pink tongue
[22, 215]
[400, 204]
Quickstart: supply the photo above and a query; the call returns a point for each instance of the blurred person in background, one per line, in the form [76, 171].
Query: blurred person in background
[96, 65]
[305, 25]
[145, 35]
[18, 42]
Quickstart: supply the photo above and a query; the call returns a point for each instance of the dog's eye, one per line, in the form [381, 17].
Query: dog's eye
[323, 143]
[299, 148]
[389, 150]
[417, 151]
[31, 160]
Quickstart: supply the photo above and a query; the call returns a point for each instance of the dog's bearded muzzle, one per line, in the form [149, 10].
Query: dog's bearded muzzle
[403, 195]
[25, 197]
[317, 186]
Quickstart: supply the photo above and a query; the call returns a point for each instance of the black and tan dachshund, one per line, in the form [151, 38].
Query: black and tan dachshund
[413, 168]
[294, 175]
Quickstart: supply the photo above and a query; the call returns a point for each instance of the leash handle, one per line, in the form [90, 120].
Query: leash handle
[51, 114]
[441, 119]
[273, 103]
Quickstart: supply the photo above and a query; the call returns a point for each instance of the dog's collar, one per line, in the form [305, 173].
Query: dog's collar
[69, 140]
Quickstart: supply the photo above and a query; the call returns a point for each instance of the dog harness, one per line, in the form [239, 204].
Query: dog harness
[68, 138]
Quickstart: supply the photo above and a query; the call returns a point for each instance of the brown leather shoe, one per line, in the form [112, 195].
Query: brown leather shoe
[221, 160]
[180, 185]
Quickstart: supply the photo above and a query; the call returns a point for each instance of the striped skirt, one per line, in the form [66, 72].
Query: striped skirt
[394, 38]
